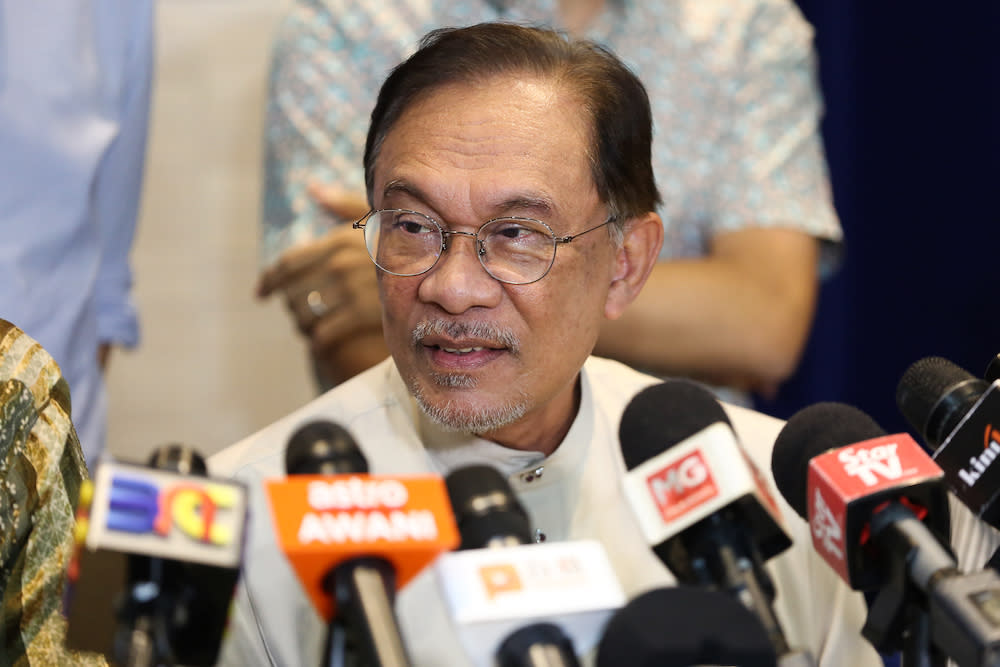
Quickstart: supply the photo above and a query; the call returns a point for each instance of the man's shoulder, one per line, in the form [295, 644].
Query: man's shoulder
[614, 384]
[615, 379]
[263, 451]
[757, 425]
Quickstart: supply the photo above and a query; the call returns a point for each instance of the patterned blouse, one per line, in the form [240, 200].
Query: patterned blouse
[732, 85]
[41, 469]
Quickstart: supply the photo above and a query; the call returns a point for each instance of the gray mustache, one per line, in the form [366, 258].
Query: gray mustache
[484, 331]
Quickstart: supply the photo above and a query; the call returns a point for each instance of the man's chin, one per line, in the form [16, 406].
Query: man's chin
[453, 381]
[458, 413]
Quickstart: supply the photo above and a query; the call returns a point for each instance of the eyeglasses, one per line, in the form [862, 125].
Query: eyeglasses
[516, 251]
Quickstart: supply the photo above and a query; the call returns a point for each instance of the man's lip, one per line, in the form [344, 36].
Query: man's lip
[476, 356]
[466, 345]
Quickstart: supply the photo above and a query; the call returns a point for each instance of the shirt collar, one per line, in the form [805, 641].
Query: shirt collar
[449, 450]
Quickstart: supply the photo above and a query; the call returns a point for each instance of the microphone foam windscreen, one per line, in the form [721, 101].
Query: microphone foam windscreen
[485, 507]
[682, 626]
[664, 414]
[809, 432]
[930, 393]
[178, 458]
[323, 448]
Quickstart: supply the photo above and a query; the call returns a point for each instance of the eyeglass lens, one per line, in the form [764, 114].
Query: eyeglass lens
[407, 243]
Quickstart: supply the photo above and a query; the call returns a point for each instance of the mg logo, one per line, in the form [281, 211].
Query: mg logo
[681, 486]
[868, 464]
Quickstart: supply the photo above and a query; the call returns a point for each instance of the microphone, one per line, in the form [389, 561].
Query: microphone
[879, 516]
[487, 512]
[701, 503]
[954, 412]
[159, 550]
[527, 604]
[992, 372]
[705, 628]
[354, 539]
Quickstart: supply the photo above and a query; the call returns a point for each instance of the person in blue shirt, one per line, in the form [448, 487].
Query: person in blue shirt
[75, 79]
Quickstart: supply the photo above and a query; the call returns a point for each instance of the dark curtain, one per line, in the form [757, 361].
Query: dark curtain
[911, 133]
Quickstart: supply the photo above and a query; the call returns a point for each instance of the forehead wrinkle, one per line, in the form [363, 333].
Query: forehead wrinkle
[536, 204]
[443, 136]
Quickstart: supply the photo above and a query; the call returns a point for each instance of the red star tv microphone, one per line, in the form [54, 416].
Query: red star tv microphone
[703, 506]
[354, 539]
[878, 510]
[159, 551]
[703, 627]
[958, 416]
[514, 603]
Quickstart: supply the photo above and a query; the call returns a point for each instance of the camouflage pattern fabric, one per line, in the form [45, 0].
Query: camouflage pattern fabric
[41, 469]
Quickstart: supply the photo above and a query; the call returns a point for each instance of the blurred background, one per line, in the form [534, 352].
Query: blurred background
[214, 364]
[911, 133]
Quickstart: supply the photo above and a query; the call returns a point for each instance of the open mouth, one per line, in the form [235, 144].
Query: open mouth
[464, 345]
[460, 350]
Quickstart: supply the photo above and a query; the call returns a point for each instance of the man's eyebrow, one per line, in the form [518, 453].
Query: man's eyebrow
[403, 187]
[535, 205]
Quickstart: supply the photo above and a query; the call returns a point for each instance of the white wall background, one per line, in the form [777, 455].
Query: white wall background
[214, 364]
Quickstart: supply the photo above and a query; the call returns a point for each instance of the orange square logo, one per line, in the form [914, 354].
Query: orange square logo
[498, 579]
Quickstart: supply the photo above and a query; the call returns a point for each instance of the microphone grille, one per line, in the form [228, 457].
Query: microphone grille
[485, 507]
[933, 395]
[706, 628]
[809, 432]
[323, 448]
[515, 650]
[664, 414]
[178, 458]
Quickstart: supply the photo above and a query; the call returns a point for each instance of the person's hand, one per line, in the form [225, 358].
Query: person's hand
[331, 292]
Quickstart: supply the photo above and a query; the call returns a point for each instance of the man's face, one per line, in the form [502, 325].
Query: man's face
[497, 359]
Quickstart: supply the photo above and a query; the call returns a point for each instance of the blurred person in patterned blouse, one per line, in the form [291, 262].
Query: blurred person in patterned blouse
[748, 219]
[41, 470]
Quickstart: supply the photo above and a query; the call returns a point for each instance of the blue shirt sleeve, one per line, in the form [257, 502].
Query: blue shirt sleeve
[118, 187]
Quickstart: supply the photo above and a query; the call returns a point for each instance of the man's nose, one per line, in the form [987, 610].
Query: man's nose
[458, 281]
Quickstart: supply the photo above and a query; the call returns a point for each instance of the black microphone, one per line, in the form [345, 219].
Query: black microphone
[992, 372]
[704, 507]
[159, 548]
[487, 512]
[364, 628]
[537, 645]
[879, 517]
[489, 516]
[954, 412]
[514, 603]
[683, 626]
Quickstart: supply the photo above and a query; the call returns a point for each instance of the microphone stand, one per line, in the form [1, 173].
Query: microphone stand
[918, 650]
[538, 645]
[141, 640]
[364, 630]
[717, 555]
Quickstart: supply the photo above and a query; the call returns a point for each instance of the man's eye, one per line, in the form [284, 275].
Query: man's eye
[511, 232]
[516, 232]
[414, 226]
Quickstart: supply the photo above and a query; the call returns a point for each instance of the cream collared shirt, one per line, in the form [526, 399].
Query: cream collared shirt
[578, 494]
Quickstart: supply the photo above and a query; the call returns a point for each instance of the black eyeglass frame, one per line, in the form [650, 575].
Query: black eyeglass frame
[362, 222]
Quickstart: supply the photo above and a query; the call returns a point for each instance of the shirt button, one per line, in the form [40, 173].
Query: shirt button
[532, 475]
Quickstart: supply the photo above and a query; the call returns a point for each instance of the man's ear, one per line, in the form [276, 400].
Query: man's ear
[634, 262]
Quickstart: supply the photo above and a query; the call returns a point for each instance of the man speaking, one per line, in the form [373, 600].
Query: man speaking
[513, 209]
